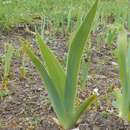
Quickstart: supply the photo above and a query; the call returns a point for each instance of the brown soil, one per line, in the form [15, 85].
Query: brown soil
[27, 106]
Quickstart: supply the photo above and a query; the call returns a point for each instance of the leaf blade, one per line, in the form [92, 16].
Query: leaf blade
[123, 60]
[53, 94]
[74, 57]
[53, 66]
[84, 106]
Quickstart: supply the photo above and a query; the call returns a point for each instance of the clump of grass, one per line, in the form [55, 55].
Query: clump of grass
[61, 16]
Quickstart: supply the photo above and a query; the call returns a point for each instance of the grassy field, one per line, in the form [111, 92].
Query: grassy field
[59, 15]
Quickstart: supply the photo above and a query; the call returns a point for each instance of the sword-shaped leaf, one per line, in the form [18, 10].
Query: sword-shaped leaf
[54, 68]
[74, 56]
[53, 94]
[123, 60]
[84, 106]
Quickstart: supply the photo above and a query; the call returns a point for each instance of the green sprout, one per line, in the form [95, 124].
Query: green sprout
[61, 85]
[123, 94]
[7, 64]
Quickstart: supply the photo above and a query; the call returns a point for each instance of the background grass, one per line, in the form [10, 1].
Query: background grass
[59, 15]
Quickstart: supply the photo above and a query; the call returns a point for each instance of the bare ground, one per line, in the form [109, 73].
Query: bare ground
[27, 106]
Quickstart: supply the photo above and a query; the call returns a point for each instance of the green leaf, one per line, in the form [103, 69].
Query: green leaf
[84, 106]
[53, 94]
[128, 19]
[123, 59]
[122, 53]
[55, 70]
[75, 53]
[3, 93]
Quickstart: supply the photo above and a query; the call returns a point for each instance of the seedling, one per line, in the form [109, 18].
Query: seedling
[61, 85]
[7, 63]
[123, 94]
[22, 69]
[112, 32]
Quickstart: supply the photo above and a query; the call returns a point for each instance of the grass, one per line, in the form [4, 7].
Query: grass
[59, 15]
[13, 12]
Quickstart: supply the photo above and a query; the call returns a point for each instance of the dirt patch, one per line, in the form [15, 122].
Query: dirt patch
[27, 107]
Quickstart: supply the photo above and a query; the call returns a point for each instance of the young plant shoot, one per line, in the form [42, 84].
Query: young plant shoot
[123, 95]
[7, 63]
[61, 85]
